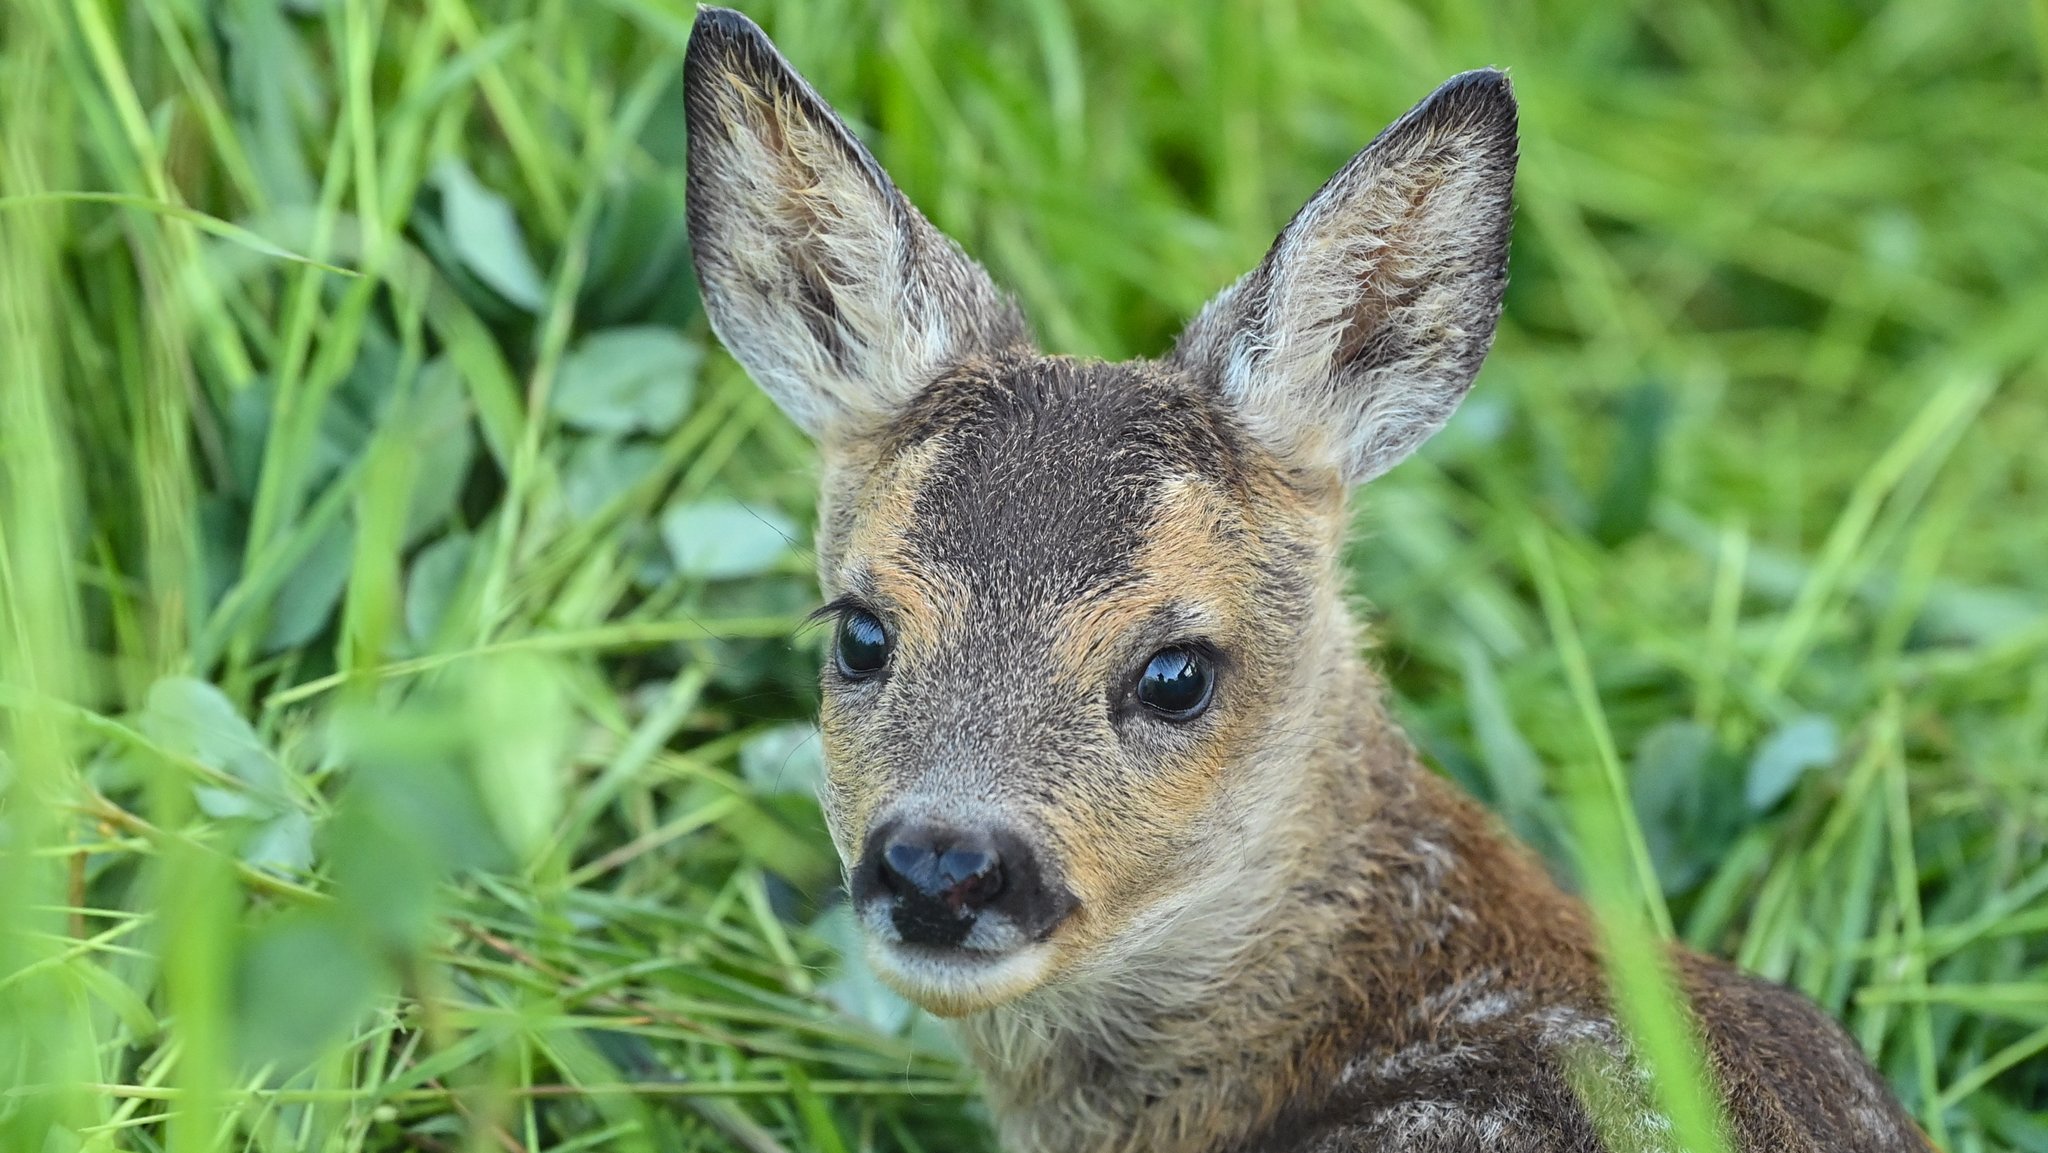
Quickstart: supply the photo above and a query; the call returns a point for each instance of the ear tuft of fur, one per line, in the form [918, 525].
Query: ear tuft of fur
[818, 275]
[1480, 102]
[1360, 332]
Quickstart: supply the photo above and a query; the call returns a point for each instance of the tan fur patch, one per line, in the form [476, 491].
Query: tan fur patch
[924, 601]
[866, 551]
[1197, 560]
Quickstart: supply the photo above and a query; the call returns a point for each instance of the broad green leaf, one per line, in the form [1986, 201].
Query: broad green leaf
[784, 759]
[744, 665]
[600, 468]
[520, 726]
[722, 539]
[283, 843]
[431, 585]
[196, 719]
[639, 254]
[486, 236]
[627, 380]
[857, 992]
[275, 84]
[223, 533]
[373, 383]
[1666, 785]
[408, 820]
[410, 817]
[301, 982]
[854, 988]
[1802, 743]
[246, 429]
[1633, 464]
[438, 418]
[307, 599]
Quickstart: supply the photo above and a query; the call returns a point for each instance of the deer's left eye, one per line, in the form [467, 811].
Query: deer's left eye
[862, 645]
[1176, 683]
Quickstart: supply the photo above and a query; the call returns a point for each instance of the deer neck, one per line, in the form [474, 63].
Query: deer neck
[1363, 892]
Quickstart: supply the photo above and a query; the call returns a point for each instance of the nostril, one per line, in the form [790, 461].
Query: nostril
[957, 871]
[971, 877]
[904, 867]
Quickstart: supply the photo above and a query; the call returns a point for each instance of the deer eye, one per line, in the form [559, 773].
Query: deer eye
[862, 645]
[1176, 683]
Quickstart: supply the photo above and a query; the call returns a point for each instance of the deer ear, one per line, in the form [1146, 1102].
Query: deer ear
[1357, 336]
[822, 280]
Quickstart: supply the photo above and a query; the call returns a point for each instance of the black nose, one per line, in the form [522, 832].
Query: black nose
[960, 871]
[939, 880]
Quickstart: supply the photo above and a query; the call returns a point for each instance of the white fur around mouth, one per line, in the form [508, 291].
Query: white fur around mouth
[954, 982]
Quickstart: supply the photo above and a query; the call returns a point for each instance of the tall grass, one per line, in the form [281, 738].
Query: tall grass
[404, 717]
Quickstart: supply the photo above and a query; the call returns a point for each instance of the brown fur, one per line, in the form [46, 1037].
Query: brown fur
[1277, 930]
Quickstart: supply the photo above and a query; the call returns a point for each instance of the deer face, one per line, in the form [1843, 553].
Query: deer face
[1068, 599]
[1074, 604]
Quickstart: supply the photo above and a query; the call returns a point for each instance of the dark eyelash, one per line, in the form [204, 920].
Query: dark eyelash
[832, 610]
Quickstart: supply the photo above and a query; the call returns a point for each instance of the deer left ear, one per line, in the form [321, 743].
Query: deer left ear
[1361, 331]
[839, 298]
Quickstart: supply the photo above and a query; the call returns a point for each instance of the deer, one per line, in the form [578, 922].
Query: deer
[1117, 792]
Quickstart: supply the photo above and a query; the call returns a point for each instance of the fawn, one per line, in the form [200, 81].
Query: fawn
[1114, 788]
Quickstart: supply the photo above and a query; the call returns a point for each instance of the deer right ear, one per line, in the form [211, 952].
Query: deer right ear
[817, 274]
[1357, 336]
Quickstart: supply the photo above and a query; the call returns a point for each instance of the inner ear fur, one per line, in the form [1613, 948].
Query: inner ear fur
[1356, 337]
[817, 273]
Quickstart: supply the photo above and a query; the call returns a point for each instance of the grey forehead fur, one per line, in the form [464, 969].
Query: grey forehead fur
[1048, 470]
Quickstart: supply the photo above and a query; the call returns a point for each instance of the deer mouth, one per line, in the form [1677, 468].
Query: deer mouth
[955, 980]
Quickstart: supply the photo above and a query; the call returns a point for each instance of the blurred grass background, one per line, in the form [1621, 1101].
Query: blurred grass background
[406, 738]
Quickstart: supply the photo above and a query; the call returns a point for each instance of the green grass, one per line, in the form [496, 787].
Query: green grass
[401, 717]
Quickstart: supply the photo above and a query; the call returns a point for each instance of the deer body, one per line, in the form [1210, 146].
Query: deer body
[1115, 789]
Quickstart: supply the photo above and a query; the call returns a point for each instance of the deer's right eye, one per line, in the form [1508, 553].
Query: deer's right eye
[1176, 683]
[862, 646]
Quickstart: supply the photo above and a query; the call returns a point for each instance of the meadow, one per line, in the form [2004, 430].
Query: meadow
[405, 734]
